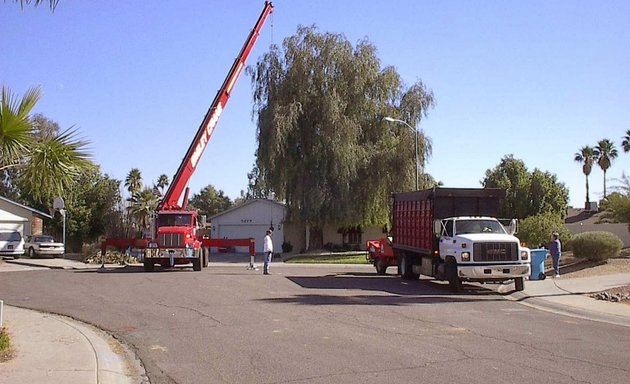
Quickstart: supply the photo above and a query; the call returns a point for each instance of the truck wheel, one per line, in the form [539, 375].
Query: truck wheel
[206, 257]
[405, 268]
[519, 283]
[148, 265]
[381, 268]
[454, 282]
[31, 253]
[196, 262]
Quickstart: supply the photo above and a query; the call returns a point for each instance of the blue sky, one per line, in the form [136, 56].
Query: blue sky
[536, 79]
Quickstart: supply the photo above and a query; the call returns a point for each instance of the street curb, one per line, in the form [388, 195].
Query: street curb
[32, 264]
[88, 351]
[540, 303]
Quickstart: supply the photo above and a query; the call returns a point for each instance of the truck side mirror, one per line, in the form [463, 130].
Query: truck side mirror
[437, 228]
[202, 221]
[513, 227]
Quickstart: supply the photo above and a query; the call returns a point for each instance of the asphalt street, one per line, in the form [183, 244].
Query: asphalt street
[323, 324]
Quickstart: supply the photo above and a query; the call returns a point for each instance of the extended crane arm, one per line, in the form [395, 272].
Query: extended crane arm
[197, 147]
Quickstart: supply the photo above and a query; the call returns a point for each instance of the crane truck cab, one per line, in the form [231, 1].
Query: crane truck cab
[175, 241]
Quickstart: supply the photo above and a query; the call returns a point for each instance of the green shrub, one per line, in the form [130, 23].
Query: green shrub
[5, 345]
[537, 230]
[596, 246]
[287, 247]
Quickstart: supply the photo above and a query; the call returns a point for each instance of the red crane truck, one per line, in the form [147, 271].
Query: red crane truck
[177, 234]
[451, 234]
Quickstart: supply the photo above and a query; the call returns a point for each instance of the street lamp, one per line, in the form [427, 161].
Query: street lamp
[392, 120]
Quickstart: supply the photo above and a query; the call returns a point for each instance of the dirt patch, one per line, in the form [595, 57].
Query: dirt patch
[572, 267]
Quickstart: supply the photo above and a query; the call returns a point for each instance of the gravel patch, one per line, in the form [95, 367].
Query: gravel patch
[575, 268]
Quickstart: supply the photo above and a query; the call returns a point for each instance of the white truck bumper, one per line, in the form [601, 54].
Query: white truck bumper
[487, 272]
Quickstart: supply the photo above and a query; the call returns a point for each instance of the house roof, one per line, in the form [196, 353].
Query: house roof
[33, 210]
[246, 203]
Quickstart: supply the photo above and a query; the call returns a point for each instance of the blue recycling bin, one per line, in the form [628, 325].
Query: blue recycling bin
[538, 264]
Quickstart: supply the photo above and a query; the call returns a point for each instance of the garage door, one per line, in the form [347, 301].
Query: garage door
[243, 231]
[10, 227]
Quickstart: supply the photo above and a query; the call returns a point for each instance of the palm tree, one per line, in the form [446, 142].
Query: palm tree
[625, 143]
[133, 181]
[605, 153]
[47, 166]
[15, 126]
[162, 182]
[586, 156]
[144, 203]
[55, 164]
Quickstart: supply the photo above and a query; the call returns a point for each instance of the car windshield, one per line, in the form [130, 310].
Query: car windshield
[478, 226]
[10, 236]
[44, 239]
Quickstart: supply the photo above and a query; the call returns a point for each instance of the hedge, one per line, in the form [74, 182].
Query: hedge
[596, 246]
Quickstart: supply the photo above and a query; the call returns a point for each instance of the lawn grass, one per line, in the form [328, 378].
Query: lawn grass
[6, 353]
[330, 258]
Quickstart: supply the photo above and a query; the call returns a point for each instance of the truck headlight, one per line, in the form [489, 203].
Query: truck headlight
[524, 255]
[465, 256]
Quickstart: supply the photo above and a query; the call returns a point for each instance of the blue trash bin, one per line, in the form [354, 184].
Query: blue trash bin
[538, 264]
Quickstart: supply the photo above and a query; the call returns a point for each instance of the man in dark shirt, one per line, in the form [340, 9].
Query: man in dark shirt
[555, 249]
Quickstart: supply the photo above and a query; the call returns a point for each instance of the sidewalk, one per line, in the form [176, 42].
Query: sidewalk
[570, 296]
[59, 350]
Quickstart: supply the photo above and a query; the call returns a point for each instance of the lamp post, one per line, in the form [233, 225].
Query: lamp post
[59, 205]
[63, 214]
[392, 120]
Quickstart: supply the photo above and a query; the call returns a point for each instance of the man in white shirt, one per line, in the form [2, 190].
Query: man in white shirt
[268, 251]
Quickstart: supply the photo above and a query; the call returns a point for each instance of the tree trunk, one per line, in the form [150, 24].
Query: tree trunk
[316, 238]
[588, 200]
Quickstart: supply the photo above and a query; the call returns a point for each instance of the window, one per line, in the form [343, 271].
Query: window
[354, 237]
[174, 220]
[479, 226]
[44, 239]
[448, 226]
[10, 236]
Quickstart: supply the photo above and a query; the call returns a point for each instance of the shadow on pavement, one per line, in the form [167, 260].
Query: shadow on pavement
[400, 292]
[135, 269]
[366, 300]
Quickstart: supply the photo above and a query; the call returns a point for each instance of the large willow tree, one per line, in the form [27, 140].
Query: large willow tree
[323, 146]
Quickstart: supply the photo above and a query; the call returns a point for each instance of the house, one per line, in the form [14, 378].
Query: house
[583, 220]
[331, 237]
[251, 220]
[20, 218]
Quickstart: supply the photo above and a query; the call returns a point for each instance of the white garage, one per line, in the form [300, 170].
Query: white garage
[251, 220]
[20, 218]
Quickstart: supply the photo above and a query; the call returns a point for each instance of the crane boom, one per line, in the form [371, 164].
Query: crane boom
[198, 145]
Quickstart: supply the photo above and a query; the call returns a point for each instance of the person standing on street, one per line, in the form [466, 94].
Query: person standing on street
[555, 249]
[268, 251]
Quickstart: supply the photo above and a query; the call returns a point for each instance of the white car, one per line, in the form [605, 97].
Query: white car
[43, 245]
[11, 244]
